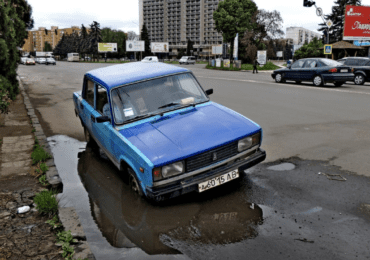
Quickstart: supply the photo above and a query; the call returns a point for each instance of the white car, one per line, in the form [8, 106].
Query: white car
[50, 61]
[42, 60]
[23, 60]
[150, 59]
[187, 60]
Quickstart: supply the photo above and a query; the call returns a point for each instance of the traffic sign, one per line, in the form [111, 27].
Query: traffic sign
[328, 49]
[329, 23]
[319, 11]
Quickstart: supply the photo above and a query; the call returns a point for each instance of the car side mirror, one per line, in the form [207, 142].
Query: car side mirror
[102, 119]
[289, 66]
[209, 91]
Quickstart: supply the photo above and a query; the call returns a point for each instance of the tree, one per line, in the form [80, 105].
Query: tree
[310, 50]
[232, 17]
[189, 47]
[144, 36]
[47, 47]
[94, 38]
[271, 24]
[15, 18]
[337, 17]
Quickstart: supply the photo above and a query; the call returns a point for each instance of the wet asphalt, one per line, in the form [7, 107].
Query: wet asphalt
[289, 207]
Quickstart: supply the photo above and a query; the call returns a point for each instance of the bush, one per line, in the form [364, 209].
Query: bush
[39, 154]
[46, 203]
[222, 68]
[4, 94]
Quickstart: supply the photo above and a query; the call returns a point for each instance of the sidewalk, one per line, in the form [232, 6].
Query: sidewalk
[26, 235]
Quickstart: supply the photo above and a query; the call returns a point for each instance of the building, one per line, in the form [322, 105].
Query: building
[36, 39]
[176, 21]
[300, 35]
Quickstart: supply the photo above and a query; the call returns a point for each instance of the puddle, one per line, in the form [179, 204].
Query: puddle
[282, 167]
[119, 224]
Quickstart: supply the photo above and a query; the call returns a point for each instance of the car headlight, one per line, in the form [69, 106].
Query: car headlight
[168, 170]
[249, 142]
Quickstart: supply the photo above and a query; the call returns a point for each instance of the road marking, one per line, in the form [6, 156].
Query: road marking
[287, 85]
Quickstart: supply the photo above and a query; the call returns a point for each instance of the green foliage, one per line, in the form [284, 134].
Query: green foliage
[47, 47]
[232, 17]
[189, 47]
[181, 52]
[43, 180]
[39, 154]
[46, 203]
[117, 36]
[66, 238]
[310, 50]
[222, 68]
[4, 94]
[54, 222]
[144, 36]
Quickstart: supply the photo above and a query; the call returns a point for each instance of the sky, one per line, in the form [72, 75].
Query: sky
[124, 14]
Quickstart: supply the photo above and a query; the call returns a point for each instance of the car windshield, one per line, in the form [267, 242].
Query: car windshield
[155, 96]
[328, 62]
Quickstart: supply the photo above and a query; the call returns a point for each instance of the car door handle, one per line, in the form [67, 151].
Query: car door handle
[93, 118]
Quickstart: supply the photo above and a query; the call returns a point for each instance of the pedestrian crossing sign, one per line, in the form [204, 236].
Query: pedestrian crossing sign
[328, 49]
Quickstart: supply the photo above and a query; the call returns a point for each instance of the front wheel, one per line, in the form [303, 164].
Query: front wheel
[359, 79]
[317, 81]
[279, 78]
[134, 183]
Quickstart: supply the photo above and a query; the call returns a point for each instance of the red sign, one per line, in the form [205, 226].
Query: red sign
[357, 23]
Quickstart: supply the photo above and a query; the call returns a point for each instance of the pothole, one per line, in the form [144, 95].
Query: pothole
[282, 167]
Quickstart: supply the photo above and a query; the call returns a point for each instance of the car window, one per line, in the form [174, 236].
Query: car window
[310, 64]
[89, 94]
[327, 62]
[298, 64]
[367, 63]
[362, 62]
[147, 97]
[102, 105]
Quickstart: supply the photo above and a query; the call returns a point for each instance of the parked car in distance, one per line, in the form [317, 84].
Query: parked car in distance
[150, 59]
[361, 66]
[158, 126]
[42, 60]
[30, 62]
[187, 60]
[23, 60]
[316, 70]
[50, 61]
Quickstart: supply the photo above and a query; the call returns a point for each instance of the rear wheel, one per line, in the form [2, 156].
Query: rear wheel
[317, 81]
[359, 79]
[90, 141]
[134, 183]
[338, 84]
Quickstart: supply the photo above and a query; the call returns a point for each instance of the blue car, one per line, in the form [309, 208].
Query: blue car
[316, 70]
[157, 125]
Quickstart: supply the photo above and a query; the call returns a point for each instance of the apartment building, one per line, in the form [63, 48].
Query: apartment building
[37, 38]
[176, 21]
[300, 35]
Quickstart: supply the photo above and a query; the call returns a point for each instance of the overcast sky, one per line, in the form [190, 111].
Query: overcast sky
[124, 14]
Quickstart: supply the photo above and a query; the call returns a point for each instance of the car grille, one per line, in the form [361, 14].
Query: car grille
[207, 158]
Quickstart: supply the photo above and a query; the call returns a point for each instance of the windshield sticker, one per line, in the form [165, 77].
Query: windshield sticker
[128, 111]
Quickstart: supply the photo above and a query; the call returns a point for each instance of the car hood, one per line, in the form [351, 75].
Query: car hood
[282, 69]
[188, 132]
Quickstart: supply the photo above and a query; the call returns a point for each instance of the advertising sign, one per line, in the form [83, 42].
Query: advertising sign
[159, 47]
[356, 25]
[134, 46]
[217, 49]
[107, 47]
[227, 63]
[261, 57]
[40, 54]
[279, 54]
[236, 46]
[328, 49]
[361, 43]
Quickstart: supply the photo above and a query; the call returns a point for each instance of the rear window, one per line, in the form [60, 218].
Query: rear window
[327, 62]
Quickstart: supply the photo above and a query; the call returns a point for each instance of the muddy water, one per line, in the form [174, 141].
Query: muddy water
[118, 224]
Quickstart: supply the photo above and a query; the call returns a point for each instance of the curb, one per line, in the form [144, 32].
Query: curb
[64, 214]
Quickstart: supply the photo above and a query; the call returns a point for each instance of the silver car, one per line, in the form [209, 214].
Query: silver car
[187, 60]
[50, 61]
[42, 60]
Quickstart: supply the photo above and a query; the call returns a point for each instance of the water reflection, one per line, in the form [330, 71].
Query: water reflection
[219, 216]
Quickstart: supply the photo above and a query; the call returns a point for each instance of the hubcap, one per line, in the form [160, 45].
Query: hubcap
[134, 184]
[358, 79]
[278, 77]
[317, 81]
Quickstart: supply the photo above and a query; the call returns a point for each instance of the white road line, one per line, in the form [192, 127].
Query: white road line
[287, 85]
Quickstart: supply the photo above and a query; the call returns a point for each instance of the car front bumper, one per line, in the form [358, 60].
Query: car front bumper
[338, 77]
[190, 184]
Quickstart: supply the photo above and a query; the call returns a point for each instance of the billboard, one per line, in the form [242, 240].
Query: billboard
[217, 49]
[236, 46]
[107, 47]
[134, 45]
[261, 57]
[159, 47]
[279, 54]
[356, 24]
[44, 54]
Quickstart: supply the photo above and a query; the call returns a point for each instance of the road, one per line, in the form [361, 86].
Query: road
[296, 210]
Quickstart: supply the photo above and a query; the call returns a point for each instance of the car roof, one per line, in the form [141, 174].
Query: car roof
[118, 75]
[364, 58]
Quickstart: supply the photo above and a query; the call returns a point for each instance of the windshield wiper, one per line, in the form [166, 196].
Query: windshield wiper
[170, 105]
[139, 117]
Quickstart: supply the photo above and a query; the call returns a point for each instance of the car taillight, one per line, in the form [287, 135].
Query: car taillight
[352, 70]
[333, 70]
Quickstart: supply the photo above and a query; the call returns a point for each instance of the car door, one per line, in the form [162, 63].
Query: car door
[293, 72]
[87, 103]
[308, 70]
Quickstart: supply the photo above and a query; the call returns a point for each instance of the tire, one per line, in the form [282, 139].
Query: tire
[359, 79]
[90, 141]
[317, 81]
[298, 82]
[338, 84]
[279, 78]
[134, 183]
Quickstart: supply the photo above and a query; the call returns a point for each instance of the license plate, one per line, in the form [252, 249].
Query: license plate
[217, 181]
[343, 70]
